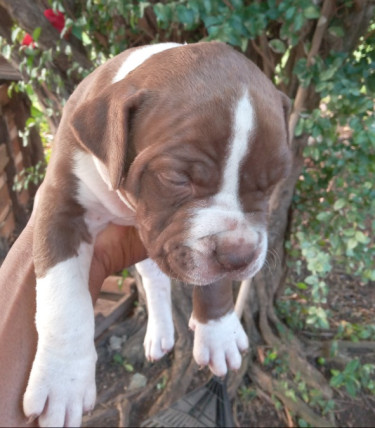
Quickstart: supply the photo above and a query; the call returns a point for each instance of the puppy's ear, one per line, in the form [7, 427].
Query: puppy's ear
[101, 126]
[287, 108]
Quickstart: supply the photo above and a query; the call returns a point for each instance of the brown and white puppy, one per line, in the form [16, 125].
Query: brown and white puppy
[186, 142]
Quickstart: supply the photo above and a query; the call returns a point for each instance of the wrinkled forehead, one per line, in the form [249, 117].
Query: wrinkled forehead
[194, 95]
[209, 124]
[205, 78]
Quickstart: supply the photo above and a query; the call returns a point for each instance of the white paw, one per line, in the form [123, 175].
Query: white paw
[159, 339]
[219, 343]
[60, 389]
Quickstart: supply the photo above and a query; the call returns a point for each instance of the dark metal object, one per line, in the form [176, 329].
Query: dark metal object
[206, 406]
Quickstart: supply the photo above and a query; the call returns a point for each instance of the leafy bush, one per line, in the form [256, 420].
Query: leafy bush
[355, 377]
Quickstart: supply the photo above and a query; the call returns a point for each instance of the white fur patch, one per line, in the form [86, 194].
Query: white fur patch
[159, 337]
[225, 204]
[243, 124]
[219, 343]
[136, 58]
[103, 205]
[63, 372]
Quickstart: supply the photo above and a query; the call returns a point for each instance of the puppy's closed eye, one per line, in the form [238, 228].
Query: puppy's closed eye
[173, 178]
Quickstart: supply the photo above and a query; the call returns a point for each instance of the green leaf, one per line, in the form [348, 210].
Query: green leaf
[277, 46]
[86, 39]
[6, 51]
[352, 366]
[361, 237]
[163, 14]
[128, 367]
[351, 244]
[301, 286]
[337, 379]
[117, 358]
[36, 33]
[339, 204]
[336, 31]
[185, 16]
[324, 216]
[299, 128]
[302, 423]
[311, 12]
[327, 74]
[351, 387]
[15, 33]
[290, 12]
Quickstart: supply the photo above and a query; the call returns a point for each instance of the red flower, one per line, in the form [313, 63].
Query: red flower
[28, 40]
[56, 19]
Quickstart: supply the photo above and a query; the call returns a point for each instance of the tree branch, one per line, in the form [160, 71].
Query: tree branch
[302, 92]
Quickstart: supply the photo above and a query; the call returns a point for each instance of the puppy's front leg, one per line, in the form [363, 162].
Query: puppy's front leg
[219, 337]
[159, 337]
[61, 385]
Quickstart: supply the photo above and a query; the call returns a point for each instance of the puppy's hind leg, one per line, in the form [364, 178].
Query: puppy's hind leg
[159, 337]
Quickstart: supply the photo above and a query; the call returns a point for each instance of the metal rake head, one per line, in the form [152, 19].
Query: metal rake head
[206, 406]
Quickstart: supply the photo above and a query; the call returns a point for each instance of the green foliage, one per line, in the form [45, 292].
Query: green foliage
[340, 171]
[120, 360]
[113, 19]
[247, 393]
[355, 332]
[162, 383]
[124, 275]
[355, 377]
[335, 196]
[295, 386]
[236, 22]
[32, 175]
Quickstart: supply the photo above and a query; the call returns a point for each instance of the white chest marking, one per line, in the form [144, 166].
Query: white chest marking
[103, 205]
[243, 124]
[139, 56]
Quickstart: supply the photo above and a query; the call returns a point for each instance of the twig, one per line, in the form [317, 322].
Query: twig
[268, 66]
[242, 297]
[123, 407]
[302, 92]
[229, 4]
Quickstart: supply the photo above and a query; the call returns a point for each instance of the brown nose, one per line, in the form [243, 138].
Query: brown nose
[234, 256]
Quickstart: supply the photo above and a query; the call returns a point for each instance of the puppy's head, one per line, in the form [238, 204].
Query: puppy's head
[200, 141]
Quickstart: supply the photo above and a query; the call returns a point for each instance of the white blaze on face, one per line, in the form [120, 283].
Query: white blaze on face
[226, 203]
[243, 124]
[224, 218]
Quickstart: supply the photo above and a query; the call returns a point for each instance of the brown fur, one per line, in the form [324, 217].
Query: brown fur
[212, 301]
[166, 123]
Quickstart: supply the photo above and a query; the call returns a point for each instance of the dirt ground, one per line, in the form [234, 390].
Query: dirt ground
[123, 403]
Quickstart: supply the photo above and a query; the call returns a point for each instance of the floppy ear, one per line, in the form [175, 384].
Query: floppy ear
[101, 125]
[287, 108]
